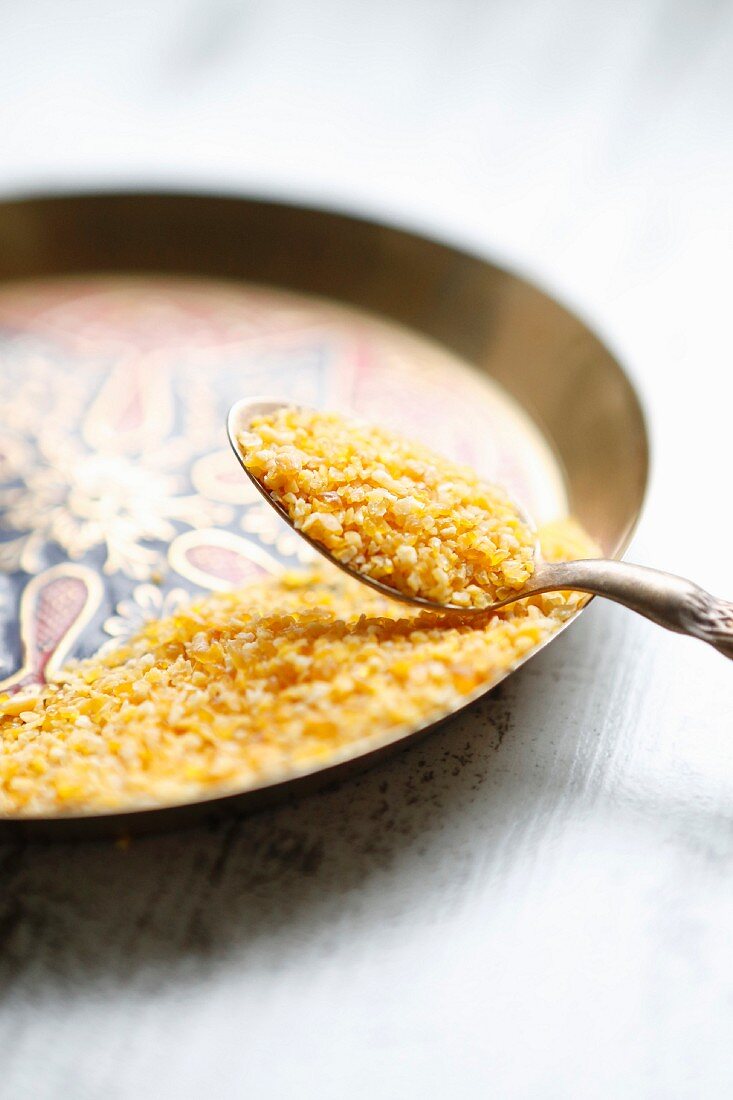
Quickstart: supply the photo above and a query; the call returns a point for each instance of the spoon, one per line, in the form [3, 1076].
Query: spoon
[672, 602]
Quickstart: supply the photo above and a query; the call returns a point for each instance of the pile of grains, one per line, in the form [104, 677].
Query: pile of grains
[390, 509]
[238, 687]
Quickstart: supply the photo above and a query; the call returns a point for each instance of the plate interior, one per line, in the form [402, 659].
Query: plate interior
[119, 360]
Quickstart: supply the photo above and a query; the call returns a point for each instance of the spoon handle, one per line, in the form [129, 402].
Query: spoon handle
[670, 601]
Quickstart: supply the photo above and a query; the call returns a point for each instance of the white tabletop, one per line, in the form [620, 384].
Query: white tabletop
[536, 902]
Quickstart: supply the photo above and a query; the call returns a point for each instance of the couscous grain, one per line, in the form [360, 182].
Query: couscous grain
[239, 687]
[391, 509]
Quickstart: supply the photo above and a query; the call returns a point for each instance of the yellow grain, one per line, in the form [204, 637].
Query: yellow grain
[391, 509]
[240, 686]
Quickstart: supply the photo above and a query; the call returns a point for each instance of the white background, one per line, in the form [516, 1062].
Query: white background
[550, 914]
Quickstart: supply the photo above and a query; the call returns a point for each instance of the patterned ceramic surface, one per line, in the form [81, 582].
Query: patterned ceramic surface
[118, 493]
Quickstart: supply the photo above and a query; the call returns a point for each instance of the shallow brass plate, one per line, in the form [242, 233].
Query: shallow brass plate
[65, 584]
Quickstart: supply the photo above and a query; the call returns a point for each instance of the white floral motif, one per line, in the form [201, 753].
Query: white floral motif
[146, 604]
[84, 500]
[60, 490]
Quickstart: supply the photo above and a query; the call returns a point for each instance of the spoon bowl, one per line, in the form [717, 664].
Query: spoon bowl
[240, 417]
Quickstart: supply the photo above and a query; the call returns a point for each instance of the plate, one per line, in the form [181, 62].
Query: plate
[130, 322]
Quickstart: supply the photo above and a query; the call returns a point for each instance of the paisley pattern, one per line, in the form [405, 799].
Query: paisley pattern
[54, 609]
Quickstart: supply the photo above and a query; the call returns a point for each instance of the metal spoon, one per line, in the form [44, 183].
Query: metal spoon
[670, 601]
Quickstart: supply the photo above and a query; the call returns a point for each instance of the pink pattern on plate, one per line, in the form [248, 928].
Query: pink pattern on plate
[55, 607]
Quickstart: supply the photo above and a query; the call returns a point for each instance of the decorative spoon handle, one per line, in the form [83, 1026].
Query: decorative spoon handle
[673, 602]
